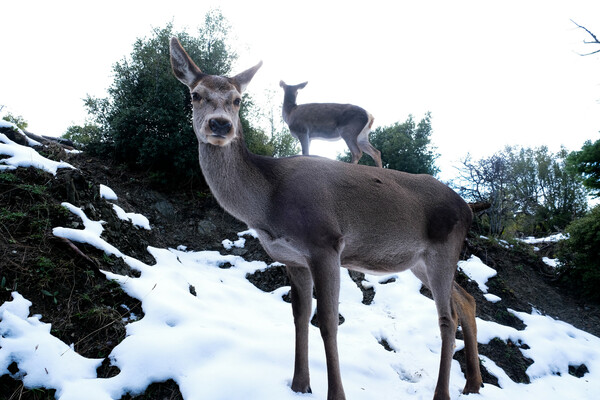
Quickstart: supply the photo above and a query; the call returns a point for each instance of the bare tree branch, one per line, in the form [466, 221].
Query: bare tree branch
[595, 41]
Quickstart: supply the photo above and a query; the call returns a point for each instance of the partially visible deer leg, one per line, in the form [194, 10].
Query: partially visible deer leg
[304, 143]
[354, 149]
[438, 276]
[325, 268]
[368, 148]
[447, 332]
[301, 293]
[464, 304]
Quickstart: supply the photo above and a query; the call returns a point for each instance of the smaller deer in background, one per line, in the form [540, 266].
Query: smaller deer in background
[329, 121]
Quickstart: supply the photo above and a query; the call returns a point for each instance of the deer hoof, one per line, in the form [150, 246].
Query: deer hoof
[472, 388]
[300, 388]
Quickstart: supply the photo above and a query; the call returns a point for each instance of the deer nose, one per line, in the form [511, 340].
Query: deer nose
[219, 126]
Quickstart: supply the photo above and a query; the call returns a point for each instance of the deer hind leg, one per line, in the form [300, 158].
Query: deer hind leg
[354, 149]
[464, 304]
[301, 294]
[366, 146]
[325, 268]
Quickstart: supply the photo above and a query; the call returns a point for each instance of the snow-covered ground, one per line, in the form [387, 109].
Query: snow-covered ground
[230, 340]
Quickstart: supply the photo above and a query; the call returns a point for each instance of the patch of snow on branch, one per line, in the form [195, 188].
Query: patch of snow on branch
[90, 234]
[22, 156]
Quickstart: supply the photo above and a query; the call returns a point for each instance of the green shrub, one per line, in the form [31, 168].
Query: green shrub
[580, 256]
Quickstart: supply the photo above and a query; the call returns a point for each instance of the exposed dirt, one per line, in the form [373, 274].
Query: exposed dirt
[64, 284]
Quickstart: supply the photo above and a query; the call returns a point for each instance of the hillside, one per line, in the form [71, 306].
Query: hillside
[65, 283]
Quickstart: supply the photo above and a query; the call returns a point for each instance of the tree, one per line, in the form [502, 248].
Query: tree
[562, 197]
[579, 255]
[531, 191]
[487, 181]
[145, 120]
[282, 142]
[18, 120]
[82, 136]
[404, 147]
[586, 163]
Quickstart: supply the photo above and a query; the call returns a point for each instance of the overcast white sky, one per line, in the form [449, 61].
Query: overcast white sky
[491, 73]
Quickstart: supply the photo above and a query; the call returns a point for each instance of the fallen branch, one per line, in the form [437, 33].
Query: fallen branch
[92, 263]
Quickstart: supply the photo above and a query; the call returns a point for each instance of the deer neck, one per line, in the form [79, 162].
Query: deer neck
[235, 180]
[289, 103]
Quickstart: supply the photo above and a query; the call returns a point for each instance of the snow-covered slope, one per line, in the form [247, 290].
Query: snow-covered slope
[219, 337]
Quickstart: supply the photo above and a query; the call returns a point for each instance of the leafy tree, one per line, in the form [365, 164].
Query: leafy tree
[404, 147]
[531, 191]
[18, 120]
[562, 198]
[586, 163]
[82, 136]
[580, 256]
[284, 144]
[145, 120]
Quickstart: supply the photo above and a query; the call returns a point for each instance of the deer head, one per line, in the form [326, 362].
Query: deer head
[216, 100]
[291, 91]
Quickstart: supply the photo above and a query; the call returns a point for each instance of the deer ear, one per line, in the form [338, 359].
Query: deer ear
[282, 84]
[302, 85]
[243, 78]
[183, 67]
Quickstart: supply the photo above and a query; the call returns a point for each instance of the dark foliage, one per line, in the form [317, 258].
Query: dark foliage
[580, 256]
[586, 162]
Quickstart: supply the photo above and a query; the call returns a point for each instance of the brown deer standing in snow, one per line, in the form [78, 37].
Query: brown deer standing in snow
[329, 121]
[317, 215]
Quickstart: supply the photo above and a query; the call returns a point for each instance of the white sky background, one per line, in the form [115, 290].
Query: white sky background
[491, 73]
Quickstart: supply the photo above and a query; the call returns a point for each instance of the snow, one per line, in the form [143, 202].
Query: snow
[241, 242]
[492, 298]
[107, 193]
[475, 269]
[6, 124]
[550, 239]
[136, 219]
[551, 262]
[233, 341]
[22, 156]
[90, 234]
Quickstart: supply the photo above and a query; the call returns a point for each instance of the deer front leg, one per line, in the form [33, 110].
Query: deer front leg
[326, 275]
[301, 294]
[304, 143]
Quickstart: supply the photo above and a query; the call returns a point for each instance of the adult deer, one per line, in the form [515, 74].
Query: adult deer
[316, 215]
[329, 121]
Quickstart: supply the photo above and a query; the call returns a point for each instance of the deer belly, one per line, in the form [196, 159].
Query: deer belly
[379, 260]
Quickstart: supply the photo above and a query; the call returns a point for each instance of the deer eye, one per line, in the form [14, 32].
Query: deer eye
[237, 102]
[196, 97]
